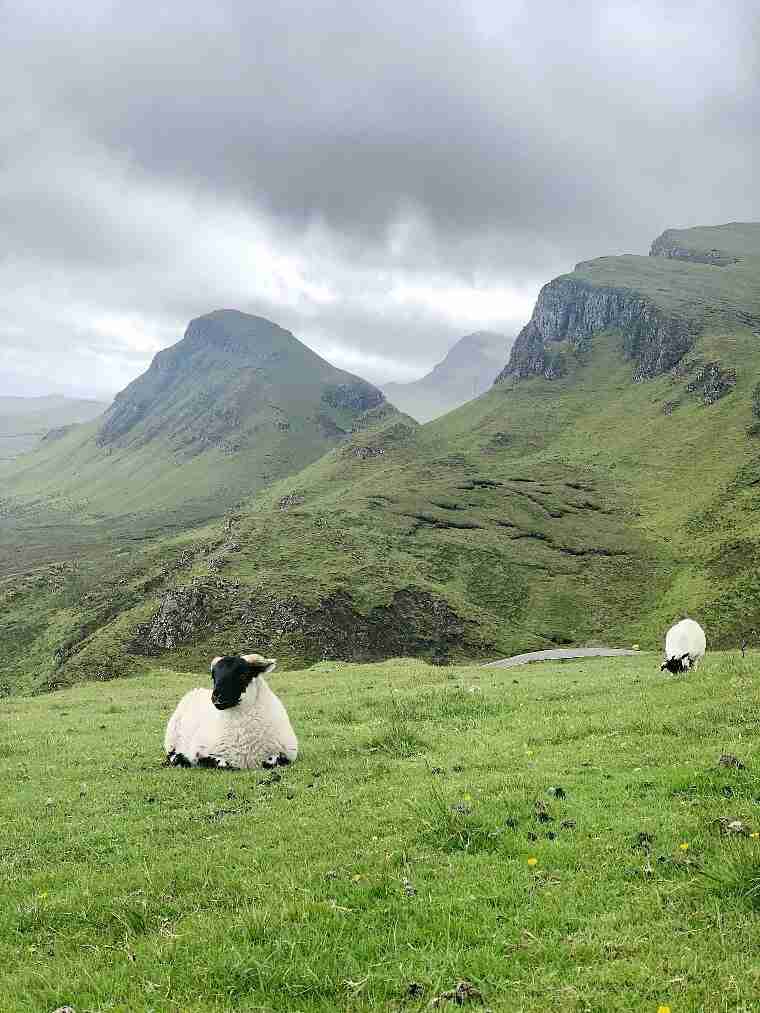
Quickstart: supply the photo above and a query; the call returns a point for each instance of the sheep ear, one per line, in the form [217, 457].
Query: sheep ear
[260, 665]
[214, 661]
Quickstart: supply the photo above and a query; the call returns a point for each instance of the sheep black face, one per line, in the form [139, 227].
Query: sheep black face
[232, 675]
[676, 665]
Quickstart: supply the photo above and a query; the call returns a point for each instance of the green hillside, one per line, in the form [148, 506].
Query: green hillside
[419, 841]
[606, 485]
[25, 421]
[235, 405]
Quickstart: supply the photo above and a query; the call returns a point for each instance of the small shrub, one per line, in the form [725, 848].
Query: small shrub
[398, 740]
[454, 827]
[736, 870]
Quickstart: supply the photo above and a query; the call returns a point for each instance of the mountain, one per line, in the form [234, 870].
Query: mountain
[467, 370]
[24, 421]
[236, 404]
[607, 484]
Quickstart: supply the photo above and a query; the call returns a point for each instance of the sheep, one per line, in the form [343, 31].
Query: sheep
[239, 724]
[685, 645]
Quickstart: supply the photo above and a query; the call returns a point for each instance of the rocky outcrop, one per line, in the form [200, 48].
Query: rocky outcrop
[571, 309]
[712, 381]
[360, 396]
[58, 433]
[414, 622]
[667, 245]
[292, 499]
[183, 612]
[365, 453]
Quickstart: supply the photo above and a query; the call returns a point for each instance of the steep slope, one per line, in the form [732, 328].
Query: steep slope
[236, 404]
[607, 484]
[24, 421]
[467, 370]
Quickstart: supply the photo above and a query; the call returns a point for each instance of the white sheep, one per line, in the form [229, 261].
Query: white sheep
[239, 724]
[685, 645]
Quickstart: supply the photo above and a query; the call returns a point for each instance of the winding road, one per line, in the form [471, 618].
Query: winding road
[560, 654]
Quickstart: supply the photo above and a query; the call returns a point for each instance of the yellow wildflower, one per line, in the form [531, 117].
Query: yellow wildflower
[663, 1009]
[684, 846]
[755, 834]
[532, 862]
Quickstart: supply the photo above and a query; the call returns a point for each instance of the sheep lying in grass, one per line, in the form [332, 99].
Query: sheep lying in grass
[685, 645]
[239, 724]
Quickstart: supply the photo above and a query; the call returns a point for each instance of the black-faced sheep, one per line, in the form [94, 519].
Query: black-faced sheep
[685, 646]
[239, 724]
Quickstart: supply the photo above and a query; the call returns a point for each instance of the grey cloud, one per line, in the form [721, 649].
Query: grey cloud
[310, 162]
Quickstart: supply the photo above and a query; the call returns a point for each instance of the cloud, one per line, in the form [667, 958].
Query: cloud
[381, 179]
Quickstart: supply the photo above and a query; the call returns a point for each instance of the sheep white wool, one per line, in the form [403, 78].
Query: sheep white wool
[245, 736]
[685, 645]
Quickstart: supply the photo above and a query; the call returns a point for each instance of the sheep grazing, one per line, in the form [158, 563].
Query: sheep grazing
[685, 645]
[239, 724]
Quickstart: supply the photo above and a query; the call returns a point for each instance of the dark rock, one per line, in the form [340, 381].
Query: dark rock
[729, 760]
[58, 433]
[365, 453]
[464, 992]
[360, 396]
[731, 828]
[666, 245]
[644, 840]
[712, 382]
[413, 622]
[182, 613]
[292, 499]
[571, 309]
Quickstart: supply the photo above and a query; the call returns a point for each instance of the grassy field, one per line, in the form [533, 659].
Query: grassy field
[418, 842]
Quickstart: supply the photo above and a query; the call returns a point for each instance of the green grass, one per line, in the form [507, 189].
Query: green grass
[131, 887]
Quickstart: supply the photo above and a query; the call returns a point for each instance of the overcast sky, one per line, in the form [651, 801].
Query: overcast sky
[379, 177]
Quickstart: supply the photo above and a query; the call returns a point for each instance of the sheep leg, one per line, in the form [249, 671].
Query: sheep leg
[178, 760]
[275, 760]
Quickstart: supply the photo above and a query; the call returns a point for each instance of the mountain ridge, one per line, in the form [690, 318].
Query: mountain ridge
[237, 403]
[466, 371]
[593, 504]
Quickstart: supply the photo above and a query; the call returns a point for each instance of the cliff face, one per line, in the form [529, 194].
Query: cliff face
[570, 309]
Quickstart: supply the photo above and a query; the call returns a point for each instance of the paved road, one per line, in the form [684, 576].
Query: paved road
[559, 654]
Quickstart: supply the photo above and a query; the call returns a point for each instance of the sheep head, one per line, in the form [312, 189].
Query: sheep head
[676, 664]
[233, 674]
